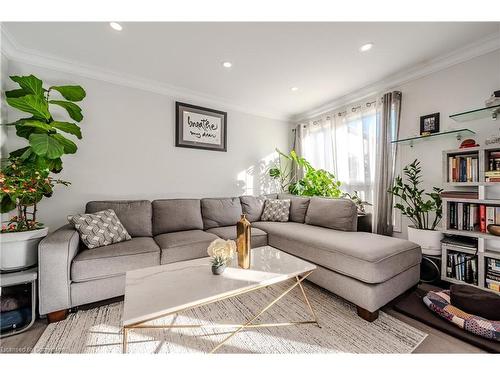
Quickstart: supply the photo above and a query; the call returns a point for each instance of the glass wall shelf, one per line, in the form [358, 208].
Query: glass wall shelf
[458, 133]
[477, 114]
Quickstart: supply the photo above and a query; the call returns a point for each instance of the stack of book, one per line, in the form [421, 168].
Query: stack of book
[493, 274]
[472, 216]
[492, 176]
[462, 267]
[463, 168]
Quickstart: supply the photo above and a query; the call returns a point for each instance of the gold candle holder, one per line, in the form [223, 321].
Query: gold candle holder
[243, 235]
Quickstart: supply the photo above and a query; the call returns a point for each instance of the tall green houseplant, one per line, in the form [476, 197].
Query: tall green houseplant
[25, 176]
[415, 204]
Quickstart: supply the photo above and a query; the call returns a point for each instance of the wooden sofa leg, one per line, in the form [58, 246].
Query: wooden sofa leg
[367, 315]
[57, 316]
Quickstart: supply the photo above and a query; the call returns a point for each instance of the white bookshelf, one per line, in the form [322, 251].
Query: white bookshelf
[487, 244]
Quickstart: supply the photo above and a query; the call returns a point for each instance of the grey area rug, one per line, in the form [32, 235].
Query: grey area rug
[342, 331]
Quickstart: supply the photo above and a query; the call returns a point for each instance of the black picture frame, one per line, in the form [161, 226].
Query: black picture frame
[429, 124]
[203, 127]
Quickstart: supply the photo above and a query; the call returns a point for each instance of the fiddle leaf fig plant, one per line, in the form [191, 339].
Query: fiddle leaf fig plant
[414, 202]
[25, 175]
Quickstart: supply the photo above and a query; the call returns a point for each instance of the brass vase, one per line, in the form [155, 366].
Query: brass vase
[243, 235]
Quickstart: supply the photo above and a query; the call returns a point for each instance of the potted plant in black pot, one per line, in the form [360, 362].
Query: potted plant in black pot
[25, 176]
[423, 209]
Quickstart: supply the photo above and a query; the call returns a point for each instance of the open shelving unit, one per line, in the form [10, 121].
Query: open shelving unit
[457, 133]
[485, 241]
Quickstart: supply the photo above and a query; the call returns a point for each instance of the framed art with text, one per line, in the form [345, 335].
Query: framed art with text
[429, 124]
[199, 127]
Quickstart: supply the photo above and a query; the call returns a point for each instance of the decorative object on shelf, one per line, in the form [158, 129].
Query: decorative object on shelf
[199, 127]
[467, 143]
[493, 100]
[243, 245]
[221, 251]
[429, 124]
[494, 229]
[25, 176]
[414, 206]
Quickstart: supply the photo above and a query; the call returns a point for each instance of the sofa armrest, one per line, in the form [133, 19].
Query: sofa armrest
[55, 254]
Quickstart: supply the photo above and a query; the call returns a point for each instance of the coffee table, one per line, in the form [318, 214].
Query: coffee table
[155, 292]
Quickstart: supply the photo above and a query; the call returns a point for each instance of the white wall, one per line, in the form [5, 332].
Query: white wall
[461, 87]
[128, 152]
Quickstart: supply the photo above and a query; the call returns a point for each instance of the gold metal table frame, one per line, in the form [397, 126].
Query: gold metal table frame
[240, 327]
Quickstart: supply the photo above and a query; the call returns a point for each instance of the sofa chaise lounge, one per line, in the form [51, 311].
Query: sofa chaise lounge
[367, 269]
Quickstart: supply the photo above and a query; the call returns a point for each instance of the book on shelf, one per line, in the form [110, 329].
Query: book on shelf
[493, 285]
[493, 265]
[460, 194]
[463, 168]
[464, 216]
[462, 267]
[469, 243]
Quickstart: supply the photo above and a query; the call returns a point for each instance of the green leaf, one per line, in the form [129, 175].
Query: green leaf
[72, 93]
[274, 172]
[19, 152]
[74, 111]
[17, 93]
[7, 204]
[33, 104]
[30, 84]
[45, 145]
[68, 127]
[35, 124]
[68, 145]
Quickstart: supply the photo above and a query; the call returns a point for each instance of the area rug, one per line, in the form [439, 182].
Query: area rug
[342, 331]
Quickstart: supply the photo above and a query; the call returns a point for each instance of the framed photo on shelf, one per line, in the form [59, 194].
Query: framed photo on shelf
[429, 124]
[199, 127]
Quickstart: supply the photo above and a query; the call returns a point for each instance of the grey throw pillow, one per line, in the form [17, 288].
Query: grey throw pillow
[276, 210]
[99, 229]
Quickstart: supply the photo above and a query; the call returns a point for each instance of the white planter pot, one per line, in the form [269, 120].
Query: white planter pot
[429, 240]
[19, 250]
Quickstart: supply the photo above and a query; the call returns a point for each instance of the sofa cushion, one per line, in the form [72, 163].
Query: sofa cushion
[185, 245]
[368, 257]
[174, 215]
[276, 210]
[340, 214]
[135, 215]
[116, 259]
[298, 206]
[99, 229]
[252, 207]
[220, 212]
[258, 236]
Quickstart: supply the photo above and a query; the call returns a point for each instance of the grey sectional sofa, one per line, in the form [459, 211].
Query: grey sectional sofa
[364, 268]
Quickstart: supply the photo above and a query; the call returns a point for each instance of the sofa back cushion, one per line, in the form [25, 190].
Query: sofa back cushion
[135, 215]
[340, 214]
[220, 212]
[252, 207]
[174, 215]
[298, 207]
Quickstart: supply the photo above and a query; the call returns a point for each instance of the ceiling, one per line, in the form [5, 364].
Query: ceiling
[321, 59]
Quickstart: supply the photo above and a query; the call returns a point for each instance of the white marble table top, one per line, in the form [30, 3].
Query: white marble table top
[161, 290]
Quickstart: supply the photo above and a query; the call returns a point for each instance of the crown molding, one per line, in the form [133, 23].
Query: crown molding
[14, 52]
[481, 47]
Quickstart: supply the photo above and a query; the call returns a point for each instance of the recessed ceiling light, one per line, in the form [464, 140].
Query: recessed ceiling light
[294, 89]
[227, 64]
[116, 26]
[366, 47]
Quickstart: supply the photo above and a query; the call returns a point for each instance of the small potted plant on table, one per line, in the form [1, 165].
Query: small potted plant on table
[417, 206]
[25, 175]
[222, 252]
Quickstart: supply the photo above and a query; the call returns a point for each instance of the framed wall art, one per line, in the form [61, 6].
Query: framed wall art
[199, 127]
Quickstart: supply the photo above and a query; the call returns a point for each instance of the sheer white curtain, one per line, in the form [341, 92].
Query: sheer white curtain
[343, 142]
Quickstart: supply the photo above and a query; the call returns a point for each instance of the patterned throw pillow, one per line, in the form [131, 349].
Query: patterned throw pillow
[99, 229]
[276, 210]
